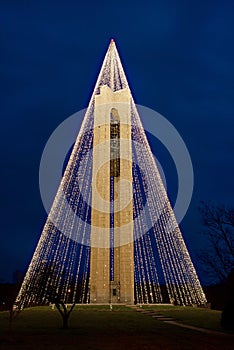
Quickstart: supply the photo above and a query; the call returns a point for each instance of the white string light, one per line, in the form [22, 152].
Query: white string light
[61, 266]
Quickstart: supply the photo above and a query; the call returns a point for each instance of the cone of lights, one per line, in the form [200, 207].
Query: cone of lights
[111, 235]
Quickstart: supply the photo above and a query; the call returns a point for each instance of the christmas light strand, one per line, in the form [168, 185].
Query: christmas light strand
[60, 265]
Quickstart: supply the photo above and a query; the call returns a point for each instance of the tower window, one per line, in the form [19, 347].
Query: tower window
[114, 143]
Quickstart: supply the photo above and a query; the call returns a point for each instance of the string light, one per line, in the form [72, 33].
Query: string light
[61, 262]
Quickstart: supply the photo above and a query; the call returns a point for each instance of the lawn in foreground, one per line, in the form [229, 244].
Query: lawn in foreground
[99, 328]
[198, 317]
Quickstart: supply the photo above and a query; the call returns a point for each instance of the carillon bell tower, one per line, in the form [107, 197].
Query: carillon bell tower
[112, 248]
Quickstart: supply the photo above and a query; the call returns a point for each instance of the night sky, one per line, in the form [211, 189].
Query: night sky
[178, 57]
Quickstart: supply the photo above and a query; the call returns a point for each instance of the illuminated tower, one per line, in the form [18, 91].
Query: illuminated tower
[111, 235]
[112, 261]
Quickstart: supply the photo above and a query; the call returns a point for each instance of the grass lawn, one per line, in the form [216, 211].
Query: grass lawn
[96, 327]
[198, 317]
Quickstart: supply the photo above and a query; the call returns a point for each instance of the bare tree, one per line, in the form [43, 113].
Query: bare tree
[217, 258]
[63, 309]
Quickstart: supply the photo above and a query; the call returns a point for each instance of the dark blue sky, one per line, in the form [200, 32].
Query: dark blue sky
[178, 57]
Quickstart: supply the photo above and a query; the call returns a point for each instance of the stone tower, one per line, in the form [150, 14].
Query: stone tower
[112, 254]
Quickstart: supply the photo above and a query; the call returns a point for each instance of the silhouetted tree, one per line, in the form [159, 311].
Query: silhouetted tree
[63, 309]
[54, 294]
[218, 257]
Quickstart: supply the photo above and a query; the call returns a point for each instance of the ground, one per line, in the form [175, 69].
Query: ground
[122, 328]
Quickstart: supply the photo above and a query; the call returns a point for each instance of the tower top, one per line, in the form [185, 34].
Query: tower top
[111, 73]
